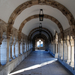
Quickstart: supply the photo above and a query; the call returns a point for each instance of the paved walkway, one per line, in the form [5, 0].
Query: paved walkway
[40, 63]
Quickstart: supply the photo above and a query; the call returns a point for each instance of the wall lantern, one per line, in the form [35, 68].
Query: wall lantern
[41, 15]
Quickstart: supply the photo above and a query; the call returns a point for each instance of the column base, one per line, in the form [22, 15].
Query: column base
[14, 57]
[72, 64]
[20, 54]
[68, 61]
[0, 64]
[10, 59]
[56, 55]
[61, 58]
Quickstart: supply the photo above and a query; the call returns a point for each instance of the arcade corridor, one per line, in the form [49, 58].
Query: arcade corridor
[40, 62]
[27, 27]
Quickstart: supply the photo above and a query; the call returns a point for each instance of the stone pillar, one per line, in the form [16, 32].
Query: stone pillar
[8, 40]
[11, 52]
[13, 48]
[65, 51]
[61, 48]
[14, 51]
[56, 53]
[10, 47]
[0, 54]
[69, 48]
[53, 48]
[72, 51]
[22, 48]
[26, 46]
[19, 48]
[56, 42]
[1, 39]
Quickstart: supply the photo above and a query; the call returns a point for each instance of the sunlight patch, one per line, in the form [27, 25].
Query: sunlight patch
[34, 67]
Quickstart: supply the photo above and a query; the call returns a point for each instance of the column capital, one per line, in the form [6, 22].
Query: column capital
[73, 30]
[72, 41]
[61, 41]
[1, 39]
[68, 40]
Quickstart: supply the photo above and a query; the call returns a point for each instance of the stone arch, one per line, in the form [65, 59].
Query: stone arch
[28, 4]
[36, 16]
[37, 29]
[43, 36]
[3, 28]
[50, 38]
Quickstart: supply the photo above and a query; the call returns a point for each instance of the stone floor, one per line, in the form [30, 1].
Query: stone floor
[40, 63]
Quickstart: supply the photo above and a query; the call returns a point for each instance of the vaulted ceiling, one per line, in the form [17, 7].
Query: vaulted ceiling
[7, 7]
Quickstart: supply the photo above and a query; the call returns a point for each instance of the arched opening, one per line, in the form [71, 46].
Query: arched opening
[39, 44]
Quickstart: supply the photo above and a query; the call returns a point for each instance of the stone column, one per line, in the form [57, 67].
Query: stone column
[13, 48]
[14, 51]
[8, 40]
[29, 45]
[26, 46]
[11, 52]
[72, 51]
[0, 54]
[19, 53]
[61, 48]
[23, 47]
[10, 47]
[65, 51]
[69, 48]
[56, 53]
[53, 48]
[56, 42]
[1, 39]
